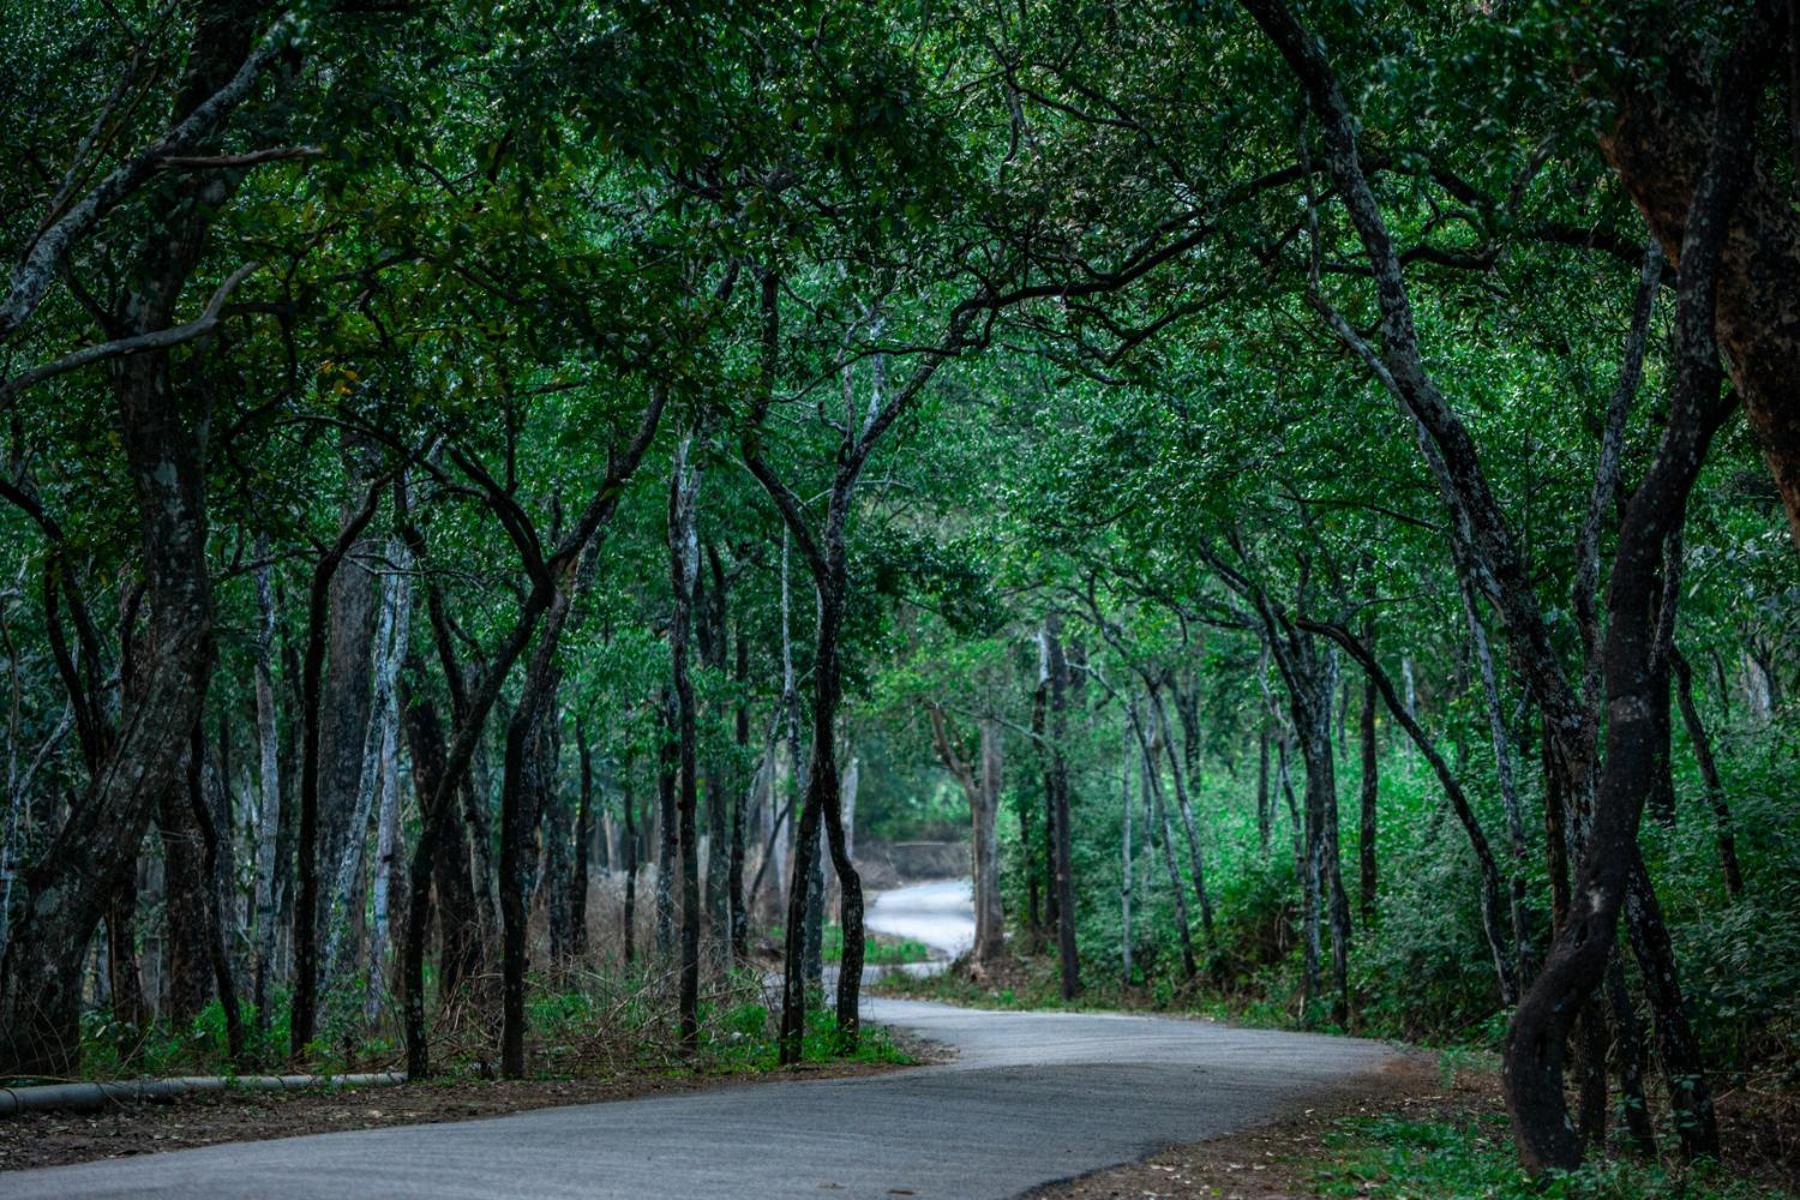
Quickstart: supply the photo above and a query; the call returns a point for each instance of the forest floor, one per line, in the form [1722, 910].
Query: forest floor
[48, 1139]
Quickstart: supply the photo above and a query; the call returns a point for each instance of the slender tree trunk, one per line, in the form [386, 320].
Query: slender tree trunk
[1509, 792]
[1152, 789]
[990, 916]
[1195, 864]
[268, 748]
[735, 895]
[1264, 811]
[1369, 878]
[374, 792]
[347, 740]
[628, 800]
[525, 789]
[307, 916]
[684, 565]
[1058, 670]
[218, 956]
[1127, 871]
[668, 766]
[1690, 1095]
[1709, 775]
[584, 839]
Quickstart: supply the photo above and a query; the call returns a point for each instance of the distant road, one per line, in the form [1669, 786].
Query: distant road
[940, 914]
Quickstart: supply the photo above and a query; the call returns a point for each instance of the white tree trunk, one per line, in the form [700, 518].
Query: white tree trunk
[378, 748]
[268, 778]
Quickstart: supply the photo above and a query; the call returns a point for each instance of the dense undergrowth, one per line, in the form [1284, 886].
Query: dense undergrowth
[582, 1024]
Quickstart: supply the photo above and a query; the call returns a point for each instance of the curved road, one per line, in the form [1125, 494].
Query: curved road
[1031, 1098]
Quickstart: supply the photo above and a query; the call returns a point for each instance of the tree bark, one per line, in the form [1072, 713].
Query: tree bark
[268, 747]
[1369, 874]
[584, 839]
[1057, 667]
[684, 567]
[307, 917]
[983, 795]
[1709, 775]
[162, 431]
[345, 715]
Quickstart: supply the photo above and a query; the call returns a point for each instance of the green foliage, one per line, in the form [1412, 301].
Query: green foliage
[1390, 1157]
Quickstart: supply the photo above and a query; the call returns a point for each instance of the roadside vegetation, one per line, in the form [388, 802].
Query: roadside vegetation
[509, 512]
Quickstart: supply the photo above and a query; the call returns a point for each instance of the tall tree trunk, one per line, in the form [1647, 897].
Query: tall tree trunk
[684, 567]
[268, 758]
[1369, 874]
[1264, 811]
[584, 840]
[557, 883]
[1153, 799]
[709, 634]
[740, 915]
[217, 954]
[345, 713]
[983, 794]
[527, 787]
[1690, 1095]
[990, 916]
[307, 915]
[1195, 863]
[1709, 774]
[668, 767]
[628, 800]
[189, 971]
[374, 793]
[162, 432]
[1127, 869]
[1057, 666]
[1509, 792]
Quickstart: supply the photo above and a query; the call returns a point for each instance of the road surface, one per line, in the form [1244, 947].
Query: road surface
[1031, 1098]
[940, 914]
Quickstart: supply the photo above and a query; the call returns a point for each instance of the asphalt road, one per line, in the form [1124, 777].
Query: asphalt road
[1031, 1098]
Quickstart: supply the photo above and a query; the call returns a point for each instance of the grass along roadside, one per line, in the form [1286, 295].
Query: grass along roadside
[1431, 1127]
[593, 1038]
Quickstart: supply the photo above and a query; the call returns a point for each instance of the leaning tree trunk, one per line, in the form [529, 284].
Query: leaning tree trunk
[1152, 788]
[1196, 864]
[1635, 675]
[1709, 775]
[162, 430]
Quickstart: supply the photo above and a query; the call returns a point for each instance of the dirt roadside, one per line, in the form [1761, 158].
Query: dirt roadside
[1271, 1161]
